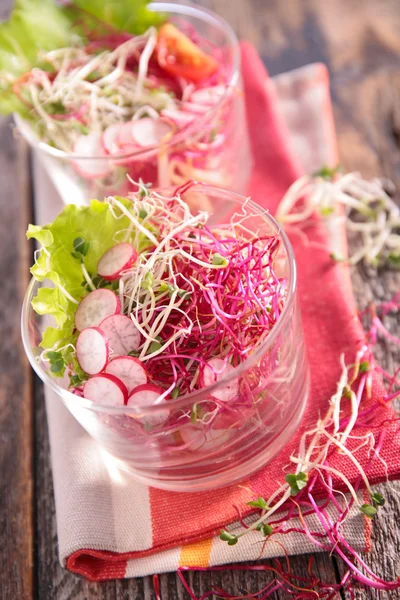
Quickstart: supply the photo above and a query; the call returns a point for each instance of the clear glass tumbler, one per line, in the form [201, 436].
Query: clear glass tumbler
[214, 149]
[182, 455]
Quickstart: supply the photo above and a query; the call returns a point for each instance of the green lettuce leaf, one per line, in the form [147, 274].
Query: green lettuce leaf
[95, 224]
[34, 26]
[37, 26]
[132, 16]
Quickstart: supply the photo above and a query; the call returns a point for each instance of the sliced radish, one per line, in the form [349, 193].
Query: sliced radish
[129, 370]
[180, 118]
[116, 260]
[90, 146]
[109, 139]
[76, 391]
[95, 307]
[197, 439]
[215, 370]
[148, 132]
[106, 390]
[92, 350]
[147, 395]
[125, 139]
[193, 107]
[209, 95]
[122, 334]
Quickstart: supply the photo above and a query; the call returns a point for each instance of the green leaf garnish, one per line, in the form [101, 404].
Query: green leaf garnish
[296, 482]
[259, 503]
[394, 260]
[148, 281]
[364, 367]
[228, 537]
[326, 211]
[194, 413]
[378, 499]
[326, 172]
[368, 510]
[337, 258]
[80, 246]
[154, 346]
[265, 529]
[175, 393]
[219, 260]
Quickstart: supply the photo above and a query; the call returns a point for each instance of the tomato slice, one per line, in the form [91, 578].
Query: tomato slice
[179, 56]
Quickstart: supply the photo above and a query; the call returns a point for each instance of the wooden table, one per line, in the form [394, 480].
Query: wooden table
[359, 40]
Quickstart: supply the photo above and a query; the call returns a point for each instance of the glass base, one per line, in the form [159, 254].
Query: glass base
[237, 473]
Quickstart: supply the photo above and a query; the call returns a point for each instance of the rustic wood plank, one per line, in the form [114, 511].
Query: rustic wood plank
[366, 113]
[16, 433]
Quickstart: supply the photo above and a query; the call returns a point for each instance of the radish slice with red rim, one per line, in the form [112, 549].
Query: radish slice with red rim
[122, 334]
[106, 390]
[129, 370]
[195, 438]
[181, 119]
[117, 259]
[109, 139]
[93, 166]
[209, 95]
[92, 350]
[125, 139]
[148, 132]
[147, 395]
[194, 108]
[95, 307]
[215, 370]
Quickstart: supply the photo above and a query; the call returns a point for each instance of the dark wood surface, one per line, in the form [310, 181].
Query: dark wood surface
[359, 40]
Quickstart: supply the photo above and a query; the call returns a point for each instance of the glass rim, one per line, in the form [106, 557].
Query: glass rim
[184, 8]
[197, 395]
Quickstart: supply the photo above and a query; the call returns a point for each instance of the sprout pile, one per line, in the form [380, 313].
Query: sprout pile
[158, 303]
[121, 95]
[367, 209]
[315, 499]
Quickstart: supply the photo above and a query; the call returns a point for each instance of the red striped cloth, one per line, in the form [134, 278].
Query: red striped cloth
[111, 528]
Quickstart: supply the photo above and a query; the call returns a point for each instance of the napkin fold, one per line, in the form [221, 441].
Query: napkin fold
[109, 525]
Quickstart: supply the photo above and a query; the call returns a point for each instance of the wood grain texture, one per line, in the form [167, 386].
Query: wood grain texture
[16, 433]
[359, 40]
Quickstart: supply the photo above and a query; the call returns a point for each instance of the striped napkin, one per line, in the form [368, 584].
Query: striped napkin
[110, 526]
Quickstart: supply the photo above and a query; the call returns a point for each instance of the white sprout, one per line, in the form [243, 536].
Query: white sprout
[369, 211]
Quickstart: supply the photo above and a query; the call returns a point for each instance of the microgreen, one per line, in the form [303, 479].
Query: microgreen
[175, 393]
[81, 248]
[194, 413]
[368, 510]
[378, 499]
[148, 281]
[336, 258]
[259, 503]
[225, 536]
[326, 172]
[154, 346]
[143, 192]
[394, 259]
[296, 481]
[265, 529]
[218, 259]
[364, 367]
[326, 211]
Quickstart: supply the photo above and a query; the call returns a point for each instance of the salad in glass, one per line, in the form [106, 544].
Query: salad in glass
[172, 334]
[122, 91]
